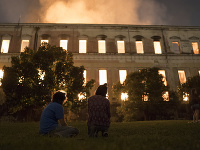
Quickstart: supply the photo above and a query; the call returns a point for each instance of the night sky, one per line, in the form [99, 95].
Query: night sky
[148, 12]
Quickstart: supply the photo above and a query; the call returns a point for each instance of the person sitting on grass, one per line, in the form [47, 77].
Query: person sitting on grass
[98, 112]
[52, 121]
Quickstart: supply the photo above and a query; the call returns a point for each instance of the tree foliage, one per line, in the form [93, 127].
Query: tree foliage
[25, 87]
[147, 84]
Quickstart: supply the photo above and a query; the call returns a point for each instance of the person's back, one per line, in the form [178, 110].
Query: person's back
[50, 116]
[99, 111]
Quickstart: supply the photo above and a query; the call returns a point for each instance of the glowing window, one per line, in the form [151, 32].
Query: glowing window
[120, 46]
[124, 96]
[195, 47]
[63, 44]
[82, 46]
[182, 77]
[84, 75]
[1, 75]
[24, 44]
[175, 46]
[102, 46]
[162, 72]
[185, 97]
[157, 47]
[199, 72]
[166, 96]
[139, 47]
[122, 75]
[5, 46]
[102, 77]
[44, 42]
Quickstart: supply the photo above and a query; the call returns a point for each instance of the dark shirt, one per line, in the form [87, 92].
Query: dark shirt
[98, 111]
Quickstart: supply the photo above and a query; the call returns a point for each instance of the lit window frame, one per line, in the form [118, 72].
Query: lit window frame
[139, 47]
[64, 44]
[121, 48]
[122, 77]
[103, 74]
[1, 76]
[82, 46]
[176, 51]
[195, 48]
[5, 45]
[24, 44]
[163, 73]
[182, 76]
[101, 49]
[157, 47]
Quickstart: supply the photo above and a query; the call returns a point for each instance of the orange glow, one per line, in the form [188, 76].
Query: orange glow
[1, 75]
[124, 96]
[5, 46]
[145, 97]
[24, 44]
[139, 47]
[81, 96]
[120, 46]
[195, 47]
[93, 11]
[182, 76]
[102, 46]
[166, 96]
[84, 75]
[162, 72]
[185, 97]
[157, 47]
[175, 46]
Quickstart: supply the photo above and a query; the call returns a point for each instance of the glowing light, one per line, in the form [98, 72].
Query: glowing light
[182, 77]
[82, 46]
[195, 47]
[176, 48]
[162, 72]
[145, 97]
[157, 47]
[1, 76]
[63, 44]
[122, 75]
[124, 96]
[81, 96]
[120, 46]
[139, 47]
[5, 46]
[166, 96]
[84, 75]
[44, 42]
[24, 44]
[41, 74]
[102, 77]
[199, 72]
[185, 97]
[102, 46]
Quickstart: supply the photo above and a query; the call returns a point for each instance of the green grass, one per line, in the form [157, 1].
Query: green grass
[150, 135]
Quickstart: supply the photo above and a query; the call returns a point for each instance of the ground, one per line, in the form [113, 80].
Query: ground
[139, 135]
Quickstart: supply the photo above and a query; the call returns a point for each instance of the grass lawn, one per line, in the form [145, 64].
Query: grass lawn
[150, 135]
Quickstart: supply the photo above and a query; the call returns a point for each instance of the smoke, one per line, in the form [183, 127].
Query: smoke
[102, 11]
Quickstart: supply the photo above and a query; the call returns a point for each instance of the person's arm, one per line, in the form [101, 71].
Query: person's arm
[62, 122]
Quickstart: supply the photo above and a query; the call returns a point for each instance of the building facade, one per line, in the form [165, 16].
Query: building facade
[110, 52]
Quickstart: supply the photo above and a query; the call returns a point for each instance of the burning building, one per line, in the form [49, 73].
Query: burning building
[109, 52]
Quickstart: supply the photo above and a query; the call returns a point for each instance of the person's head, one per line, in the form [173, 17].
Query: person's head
[102, 90]
[59, 97]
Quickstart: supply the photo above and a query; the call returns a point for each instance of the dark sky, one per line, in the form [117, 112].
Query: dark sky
[175, 12]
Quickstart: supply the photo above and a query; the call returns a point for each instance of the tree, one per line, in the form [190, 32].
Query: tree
[145, 90]
[34, 75]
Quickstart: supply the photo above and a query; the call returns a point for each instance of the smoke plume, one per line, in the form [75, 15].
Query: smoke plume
[101, 11]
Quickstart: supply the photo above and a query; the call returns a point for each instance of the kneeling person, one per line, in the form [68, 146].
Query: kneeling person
[52, 114]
